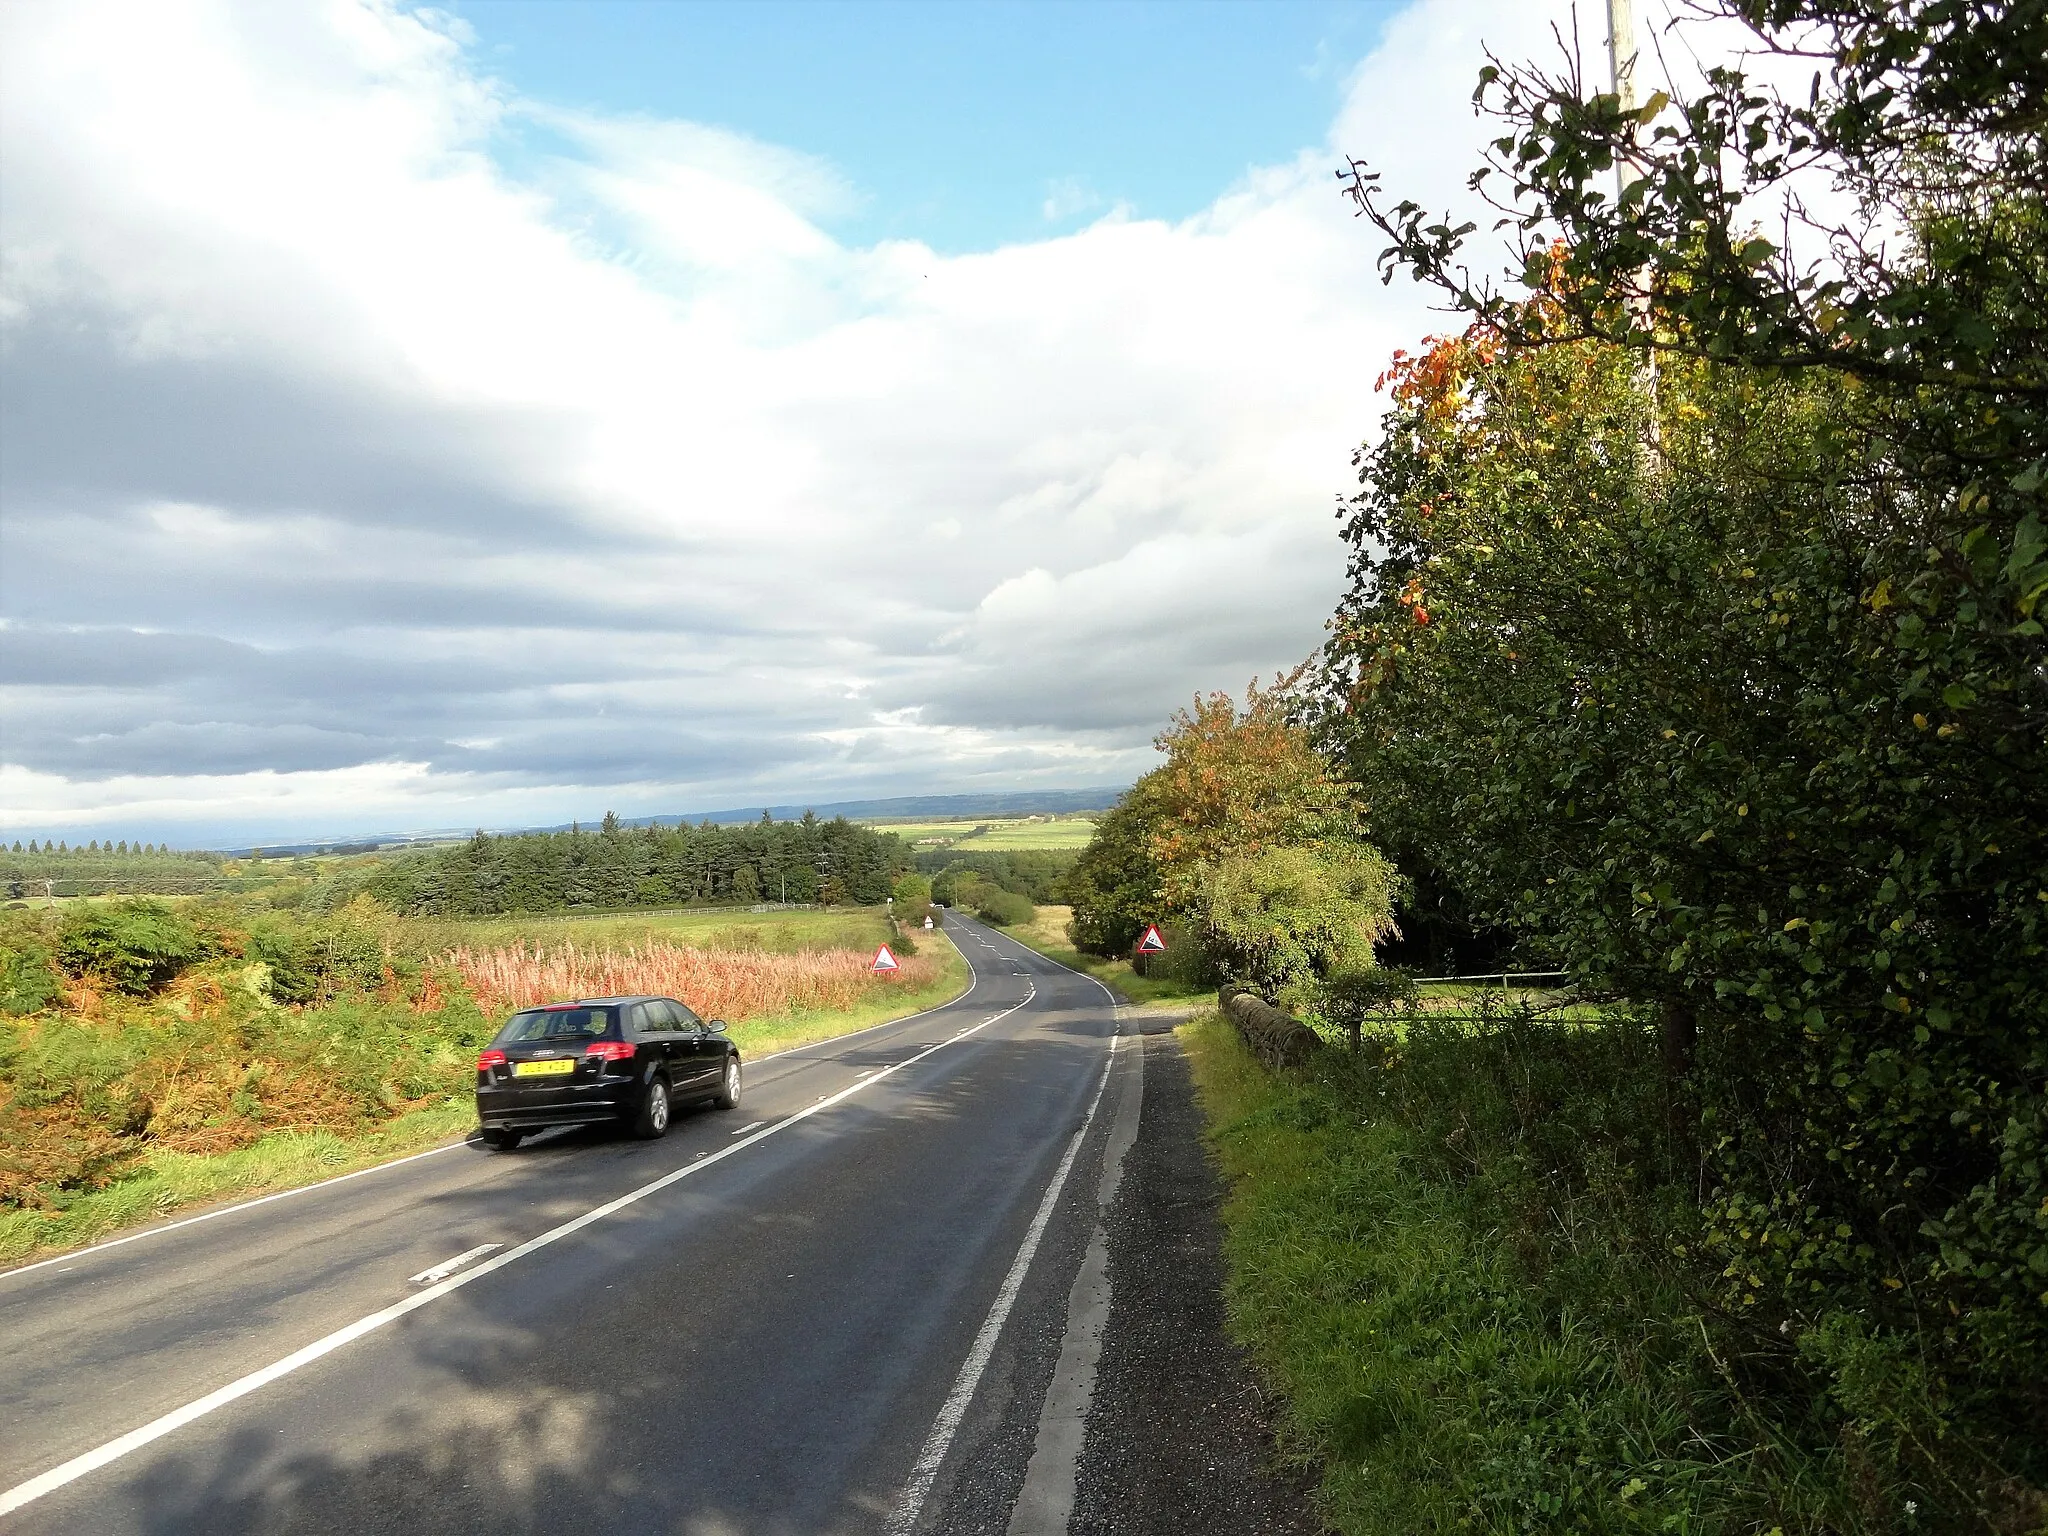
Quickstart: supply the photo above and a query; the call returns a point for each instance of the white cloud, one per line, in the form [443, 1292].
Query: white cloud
[633, 483]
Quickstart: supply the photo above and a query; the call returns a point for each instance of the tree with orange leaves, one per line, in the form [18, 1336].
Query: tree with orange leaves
[1249, 839]
[1236, 783]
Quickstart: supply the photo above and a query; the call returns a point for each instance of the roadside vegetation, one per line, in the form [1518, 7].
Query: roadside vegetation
[1718, 687]
[154, 1053]
[1048, 932]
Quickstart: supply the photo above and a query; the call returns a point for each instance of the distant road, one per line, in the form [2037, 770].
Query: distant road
[839, 1308]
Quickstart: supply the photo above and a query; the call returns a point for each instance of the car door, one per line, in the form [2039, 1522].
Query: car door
[707, 1050]
[657, 1037]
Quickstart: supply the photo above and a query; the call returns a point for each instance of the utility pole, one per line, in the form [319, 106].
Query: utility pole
[1621, 58]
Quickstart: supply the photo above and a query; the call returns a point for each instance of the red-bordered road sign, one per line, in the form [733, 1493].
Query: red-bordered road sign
[1151, 943]
[884, 961]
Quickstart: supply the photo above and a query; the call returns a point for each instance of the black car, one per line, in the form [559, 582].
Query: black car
[624, 1059]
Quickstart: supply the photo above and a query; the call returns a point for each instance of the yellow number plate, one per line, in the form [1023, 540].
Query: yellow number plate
[544, 1068]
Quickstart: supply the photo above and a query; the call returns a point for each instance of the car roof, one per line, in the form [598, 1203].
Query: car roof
[595, 1002]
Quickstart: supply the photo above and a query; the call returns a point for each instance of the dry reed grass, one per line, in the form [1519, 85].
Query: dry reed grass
[724, 984]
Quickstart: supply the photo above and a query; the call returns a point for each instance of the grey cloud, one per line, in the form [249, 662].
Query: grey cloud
[85, 423]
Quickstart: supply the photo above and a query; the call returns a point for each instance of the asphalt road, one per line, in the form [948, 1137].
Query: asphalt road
[861, 1302]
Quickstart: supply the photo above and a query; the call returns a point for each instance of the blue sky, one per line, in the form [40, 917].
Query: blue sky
[958, 121]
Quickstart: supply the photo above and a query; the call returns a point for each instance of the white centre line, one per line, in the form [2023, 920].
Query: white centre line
[448, 1267]
[91, 1461]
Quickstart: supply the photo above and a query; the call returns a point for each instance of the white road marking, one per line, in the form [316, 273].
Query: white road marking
[973, 980]
[91, 1461]
[751, 1126]
[911, 1504]
[448, 1267]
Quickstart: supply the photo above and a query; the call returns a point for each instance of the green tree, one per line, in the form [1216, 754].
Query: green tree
[746, 884]
[1290, 915]
[1114, 888]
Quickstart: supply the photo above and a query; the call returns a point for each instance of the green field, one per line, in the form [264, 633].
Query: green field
[995, 834]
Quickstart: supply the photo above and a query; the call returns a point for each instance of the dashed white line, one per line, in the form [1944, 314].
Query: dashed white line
[448, 1267]
[751, 1126]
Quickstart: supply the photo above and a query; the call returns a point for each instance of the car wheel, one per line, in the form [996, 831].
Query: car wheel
[729, 1087]
[653, 1121]
[499, 1141]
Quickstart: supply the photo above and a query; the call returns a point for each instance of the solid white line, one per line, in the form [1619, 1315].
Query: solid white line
[26, 1493]
[911, 1504]
[973, 980]
[448, 1267]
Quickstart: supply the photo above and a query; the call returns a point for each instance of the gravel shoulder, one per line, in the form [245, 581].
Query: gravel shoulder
[1178, 1434]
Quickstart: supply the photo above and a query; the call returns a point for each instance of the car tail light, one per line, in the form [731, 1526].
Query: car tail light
[489, 1059]
[609, 1050]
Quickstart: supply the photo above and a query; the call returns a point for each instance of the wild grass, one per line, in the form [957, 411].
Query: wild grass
[1454, 1260]
[116, 1109]
[778, 930]
[727, 984]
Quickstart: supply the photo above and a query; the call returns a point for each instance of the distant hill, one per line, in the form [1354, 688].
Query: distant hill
[1048, 802]
[1040, 802]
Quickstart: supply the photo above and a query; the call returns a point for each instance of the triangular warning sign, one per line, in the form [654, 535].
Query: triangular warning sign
[884, 961]
[1151, 944]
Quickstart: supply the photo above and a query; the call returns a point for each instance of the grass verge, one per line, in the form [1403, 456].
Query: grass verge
[165, 1183]
[1472, 1333]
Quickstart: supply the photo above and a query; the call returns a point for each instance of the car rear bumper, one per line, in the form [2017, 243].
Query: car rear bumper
[530, 1108]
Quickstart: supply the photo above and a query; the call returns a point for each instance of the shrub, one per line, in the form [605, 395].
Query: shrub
[1286, 915]
[29, 980]
[1352, 999]
[318, 960]
[993, 904]
[134, 946]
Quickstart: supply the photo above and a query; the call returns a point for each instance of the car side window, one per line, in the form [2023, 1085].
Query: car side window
[686, 1019]
[651, 1019]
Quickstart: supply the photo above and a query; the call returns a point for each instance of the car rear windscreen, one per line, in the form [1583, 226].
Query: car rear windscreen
[556, 1024]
